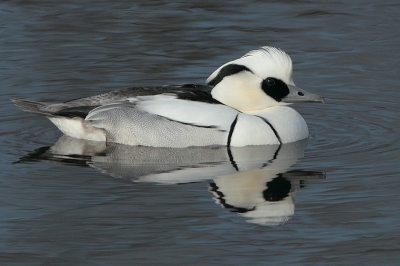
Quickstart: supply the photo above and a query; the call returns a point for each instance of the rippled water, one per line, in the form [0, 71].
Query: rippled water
[334, 203]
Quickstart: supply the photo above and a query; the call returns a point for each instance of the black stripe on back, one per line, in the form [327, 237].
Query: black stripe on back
[189, 124]
[197, 96]
[80, 111]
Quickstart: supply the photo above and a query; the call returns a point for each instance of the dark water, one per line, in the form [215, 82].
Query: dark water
[336, 203]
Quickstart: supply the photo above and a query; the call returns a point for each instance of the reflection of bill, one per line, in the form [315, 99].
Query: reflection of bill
[252, 181]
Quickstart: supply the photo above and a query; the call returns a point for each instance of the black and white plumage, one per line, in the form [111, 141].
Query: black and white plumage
[243, 104]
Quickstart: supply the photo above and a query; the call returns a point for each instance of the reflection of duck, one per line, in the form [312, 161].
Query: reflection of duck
[243, 104]
[249, 180]
[169, 165]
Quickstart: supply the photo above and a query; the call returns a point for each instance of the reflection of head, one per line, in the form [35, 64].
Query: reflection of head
[272, 213]
[263, 197]
[221, 200]
[278, 189]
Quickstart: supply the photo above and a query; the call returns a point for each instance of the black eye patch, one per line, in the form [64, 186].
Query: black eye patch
[270, 82]
[275, 88]
[227, 70]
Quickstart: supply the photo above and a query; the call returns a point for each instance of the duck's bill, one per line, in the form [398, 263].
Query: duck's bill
[297, 95]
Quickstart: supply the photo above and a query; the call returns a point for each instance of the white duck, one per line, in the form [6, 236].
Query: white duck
[245, 103]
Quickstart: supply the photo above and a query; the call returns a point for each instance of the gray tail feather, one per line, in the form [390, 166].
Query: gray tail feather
[31, 106]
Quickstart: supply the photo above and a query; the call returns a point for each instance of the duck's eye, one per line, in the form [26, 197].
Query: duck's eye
[270, 82]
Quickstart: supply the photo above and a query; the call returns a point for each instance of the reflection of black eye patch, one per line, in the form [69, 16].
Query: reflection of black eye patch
[278, 189]
[227, 70]
[275, 88]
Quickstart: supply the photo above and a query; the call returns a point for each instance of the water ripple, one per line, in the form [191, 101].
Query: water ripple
[355, 134]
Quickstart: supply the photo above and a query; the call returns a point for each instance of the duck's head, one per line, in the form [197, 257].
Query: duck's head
[258, 80]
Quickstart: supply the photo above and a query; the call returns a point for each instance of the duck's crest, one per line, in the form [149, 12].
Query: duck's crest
[265, 62]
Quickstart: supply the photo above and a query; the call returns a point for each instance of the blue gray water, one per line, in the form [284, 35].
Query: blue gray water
[64, 202]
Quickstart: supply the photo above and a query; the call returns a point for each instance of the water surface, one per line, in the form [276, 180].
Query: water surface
[337, 198]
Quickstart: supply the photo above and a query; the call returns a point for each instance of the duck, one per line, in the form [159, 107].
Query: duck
[244, 102]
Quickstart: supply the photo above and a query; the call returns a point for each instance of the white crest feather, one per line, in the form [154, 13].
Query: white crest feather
[264, 62]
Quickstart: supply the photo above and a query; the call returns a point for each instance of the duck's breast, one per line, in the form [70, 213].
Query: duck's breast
[251, 130]
[286, 122]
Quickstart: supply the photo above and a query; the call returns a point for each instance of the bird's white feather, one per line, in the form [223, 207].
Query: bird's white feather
[126, 124]
[252, 130]
[78, 128]
[264, 62]
[188, 112]
[287, 122]
[243, 92]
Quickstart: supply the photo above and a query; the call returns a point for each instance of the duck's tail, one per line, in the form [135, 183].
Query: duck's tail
[32, 107]
[70, 121]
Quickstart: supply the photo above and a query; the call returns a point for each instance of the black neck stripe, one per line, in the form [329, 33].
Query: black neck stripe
[231, 130]
[273, 129]
[234, 164]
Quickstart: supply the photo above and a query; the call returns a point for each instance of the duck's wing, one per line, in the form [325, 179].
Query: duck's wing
[180, 116]
[185, 90]
[190, 107]
[173, 119]
[82, 106]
